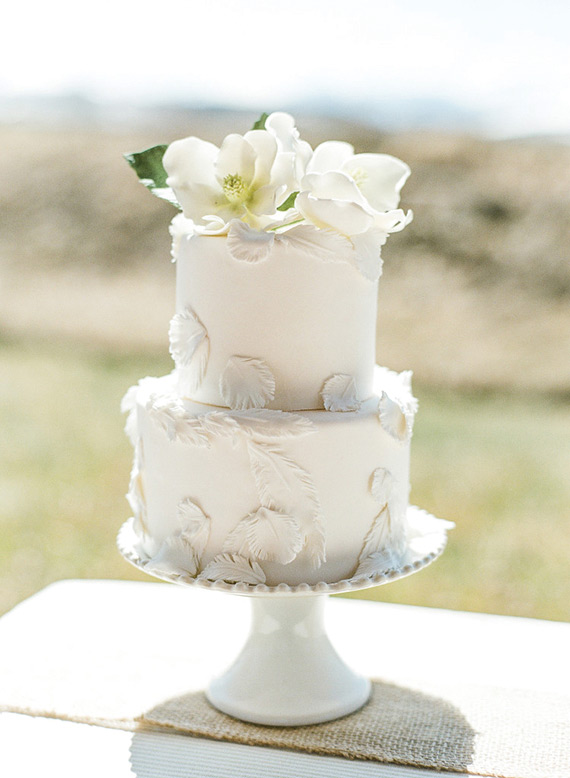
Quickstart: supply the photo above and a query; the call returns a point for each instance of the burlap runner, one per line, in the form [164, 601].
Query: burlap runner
[138, 655]
[508, 734]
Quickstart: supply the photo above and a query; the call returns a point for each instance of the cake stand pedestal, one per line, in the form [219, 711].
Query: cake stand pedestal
[288, 673]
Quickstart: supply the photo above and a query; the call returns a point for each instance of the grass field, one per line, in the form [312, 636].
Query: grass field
[495, 464]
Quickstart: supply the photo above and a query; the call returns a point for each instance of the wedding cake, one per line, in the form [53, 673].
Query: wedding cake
[276, 453]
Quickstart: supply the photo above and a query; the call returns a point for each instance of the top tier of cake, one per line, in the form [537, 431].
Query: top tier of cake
[278, 257]
[271, 333]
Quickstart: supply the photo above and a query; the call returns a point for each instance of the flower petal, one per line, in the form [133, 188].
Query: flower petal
[392, 221]
[265, 148]
[330, 156]
[345, 217]
[199, 199]
[333, 185]
[190, 159]
[236, 157]
[214, 225]
[282, 127]
[190, 167]
[380, 178]
[284, 175]
[263, 200]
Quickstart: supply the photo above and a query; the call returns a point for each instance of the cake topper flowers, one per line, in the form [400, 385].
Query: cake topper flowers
[269, 184]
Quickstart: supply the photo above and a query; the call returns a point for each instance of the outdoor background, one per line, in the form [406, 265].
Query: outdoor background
[475, 296]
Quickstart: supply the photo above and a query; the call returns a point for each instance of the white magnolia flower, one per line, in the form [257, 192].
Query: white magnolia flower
[250, 178]
[332, 200]
[356, 195]
[246, 178]
[295, 153]
[379, 177]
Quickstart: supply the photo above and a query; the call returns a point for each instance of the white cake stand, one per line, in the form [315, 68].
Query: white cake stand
[288, 672]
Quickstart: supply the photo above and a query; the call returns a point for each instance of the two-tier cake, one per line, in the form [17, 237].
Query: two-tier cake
[276, 452]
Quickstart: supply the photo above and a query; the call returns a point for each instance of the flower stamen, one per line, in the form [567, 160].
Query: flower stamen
[359, 176]
[235, 188]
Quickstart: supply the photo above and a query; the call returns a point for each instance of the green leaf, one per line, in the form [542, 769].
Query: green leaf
[150, 170]
[288, 203]
[260, 123]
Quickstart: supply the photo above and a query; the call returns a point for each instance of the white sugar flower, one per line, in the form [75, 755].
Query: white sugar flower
[270, 180]
[295, 153]
[379, 177]
[356, 195]
[246, 178]
[332, 200]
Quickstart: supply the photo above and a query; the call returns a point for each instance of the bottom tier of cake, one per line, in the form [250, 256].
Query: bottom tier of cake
[267, 497]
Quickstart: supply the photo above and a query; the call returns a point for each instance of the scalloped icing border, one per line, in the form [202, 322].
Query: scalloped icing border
[127, 545]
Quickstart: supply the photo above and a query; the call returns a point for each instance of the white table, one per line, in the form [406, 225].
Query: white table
[376, 638]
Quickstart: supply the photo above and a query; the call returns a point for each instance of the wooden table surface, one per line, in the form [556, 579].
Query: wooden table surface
[377, 639]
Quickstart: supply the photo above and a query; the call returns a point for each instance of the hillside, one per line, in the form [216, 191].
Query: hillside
[475, 292]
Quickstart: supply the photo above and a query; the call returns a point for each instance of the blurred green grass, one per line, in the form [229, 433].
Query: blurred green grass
[496, 464]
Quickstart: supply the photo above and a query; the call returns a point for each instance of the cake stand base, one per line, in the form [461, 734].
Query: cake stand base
[288, 673]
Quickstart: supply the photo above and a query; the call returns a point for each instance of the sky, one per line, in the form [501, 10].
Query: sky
[506, 62]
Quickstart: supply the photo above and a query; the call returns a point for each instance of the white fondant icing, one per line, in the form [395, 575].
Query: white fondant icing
[179, 227]
[168, 413]
[233, 568]
[262, 424]
[174, 556]
[392, 418]
[378, 562]
[128, 406]
[385, 542]
[245, 479]
[305, 318]
[315, 544]
[339, 393]
[423, 549]
[246, 383]
[195, 526]
[326, 245]
[382, 485]
[397, 407]
[266, 534]
[180, 552]
[190, 349]
[422, 527]
[283, 483]
[311, 466]
[368, 259]
[385, 533]
[135, 495]
[248, 245]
